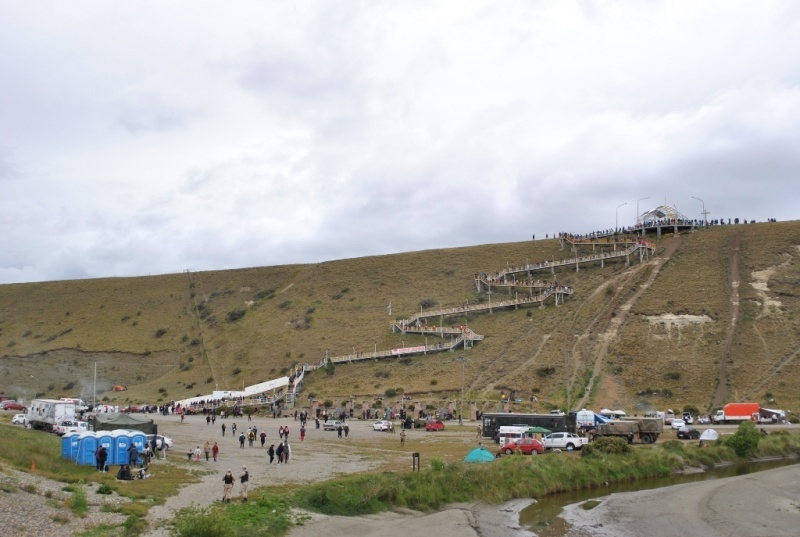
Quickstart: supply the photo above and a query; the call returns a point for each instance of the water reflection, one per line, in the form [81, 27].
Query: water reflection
[543, 517]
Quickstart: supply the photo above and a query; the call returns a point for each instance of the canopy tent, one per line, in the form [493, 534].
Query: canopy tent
[479, 454]
[538, 430]
[709, 435]
[111, 422]
[662, 213]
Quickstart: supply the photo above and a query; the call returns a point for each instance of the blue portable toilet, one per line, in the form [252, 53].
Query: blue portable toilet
[121, 443]
[105, 439]
[69, 445]
[87, 445]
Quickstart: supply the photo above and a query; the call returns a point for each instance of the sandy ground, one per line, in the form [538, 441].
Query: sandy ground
[764, 503]
[760, 504]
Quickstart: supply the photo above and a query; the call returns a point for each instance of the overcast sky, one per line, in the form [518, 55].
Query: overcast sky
[151, 137]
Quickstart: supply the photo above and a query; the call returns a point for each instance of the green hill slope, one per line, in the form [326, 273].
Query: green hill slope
[711, 317]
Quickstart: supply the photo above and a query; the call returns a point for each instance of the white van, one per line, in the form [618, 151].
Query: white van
[511, 433]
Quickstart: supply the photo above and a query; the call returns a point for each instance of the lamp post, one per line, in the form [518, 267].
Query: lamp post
[463, 362]
[616, 220]
[704, 209]
[637, 208]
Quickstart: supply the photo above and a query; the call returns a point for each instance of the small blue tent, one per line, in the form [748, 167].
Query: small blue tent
[479, 454]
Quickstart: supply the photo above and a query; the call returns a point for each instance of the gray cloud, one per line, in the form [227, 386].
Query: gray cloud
[148, 139]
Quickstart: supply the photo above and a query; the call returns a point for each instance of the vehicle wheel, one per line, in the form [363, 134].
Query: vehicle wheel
[509, 451]
[534, 452]
[647, 439]
[570, 446]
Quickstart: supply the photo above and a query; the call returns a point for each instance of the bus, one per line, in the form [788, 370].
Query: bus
[555, 423]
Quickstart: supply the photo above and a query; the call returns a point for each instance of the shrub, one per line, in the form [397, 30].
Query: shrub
[160, 332]
[285, 304]
[545, 371]
[390, 392]
[427, 303]
[237, 370]
[607, 444]
[328, 403]
[745, 440]
[202, 523]
[235, 315]
[437, 464]
[330, 369]
[672, 375]
[104, 489]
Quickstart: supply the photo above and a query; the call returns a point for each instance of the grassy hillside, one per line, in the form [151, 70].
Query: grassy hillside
[713, 316]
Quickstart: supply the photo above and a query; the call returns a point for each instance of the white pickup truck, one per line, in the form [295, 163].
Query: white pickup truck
[564, 441]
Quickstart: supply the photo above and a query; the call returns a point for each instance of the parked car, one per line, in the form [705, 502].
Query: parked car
[703, 420]
[526, 446]
[564, 441]
[60, 428]
[13, 405]
[382, 425]
[332, 425]
[687, 418]
[688, 433]
[159, 438]
[678, 423]
[434, 425]
[20, 419]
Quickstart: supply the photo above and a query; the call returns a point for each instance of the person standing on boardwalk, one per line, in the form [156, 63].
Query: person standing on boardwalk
[215, 451]
[227, 486]
[244, 479]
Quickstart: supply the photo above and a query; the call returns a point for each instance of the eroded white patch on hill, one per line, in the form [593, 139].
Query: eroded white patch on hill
[760, 283]
[670, 320]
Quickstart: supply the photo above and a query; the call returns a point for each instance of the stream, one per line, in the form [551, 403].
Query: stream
[543, 517]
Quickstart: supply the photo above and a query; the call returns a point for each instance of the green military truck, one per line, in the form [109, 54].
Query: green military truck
[646, 429]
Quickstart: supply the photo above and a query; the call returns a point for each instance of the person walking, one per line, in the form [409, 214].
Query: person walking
[402, 437]
[223, 429]
[251, 436]
[215, 451]
[263, 438]
[279, 453]
[197, 454]
[241, 441]
[271, 453]
[244, 479]
[287, 451]
[227, 486]
[163, 449]
[207, 449]
[233, 428]
[302, 432]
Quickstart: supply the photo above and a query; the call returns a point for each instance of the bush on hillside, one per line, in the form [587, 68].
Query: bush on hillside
[235, 315]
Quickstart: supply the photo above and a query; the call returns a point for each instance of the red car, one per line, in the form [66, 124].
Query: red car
[13, 405]
[526, 446]
[434, 425]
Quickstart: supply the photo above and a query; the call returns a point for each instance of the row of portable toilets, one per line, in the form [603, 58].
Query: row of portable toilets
[81, 447]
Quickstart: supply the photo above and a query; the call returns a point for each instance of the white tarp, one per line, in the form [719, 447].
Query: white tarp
[709, 435]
